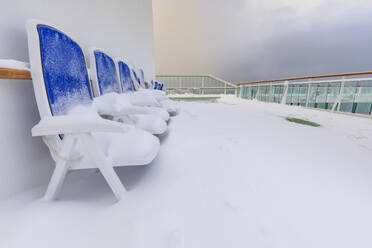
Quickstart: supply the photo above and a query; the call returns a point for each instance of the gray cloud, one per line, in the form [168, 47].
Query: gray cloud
[243, 40]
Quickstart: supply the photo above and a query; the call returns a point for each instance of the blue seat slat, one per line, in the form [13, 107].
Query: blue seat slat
[106, 73]
[135, 76]
[125, 79]
[64, 69]
[142, 75]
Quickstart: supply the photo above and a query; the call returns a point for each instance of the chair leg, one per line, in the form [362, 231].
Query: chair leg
[60, 171]
[113, 180]
[105, 167]
[56, 181]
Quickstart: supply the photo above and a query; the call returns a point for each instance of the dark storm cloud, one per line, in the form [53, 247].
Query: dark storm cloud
[257, 40]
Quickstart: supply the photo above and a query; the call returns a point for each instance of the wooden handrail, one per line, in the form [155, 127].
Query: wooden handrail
[7, 73]
[310, 77]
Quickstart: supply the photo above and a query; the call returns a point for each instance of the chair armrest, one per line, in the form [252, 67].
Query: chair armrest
[68, 124]
[116, 105]
[127, 110]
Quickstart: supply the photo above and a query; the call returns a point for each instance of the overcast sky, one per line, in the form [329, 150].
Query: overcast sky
[246, 40]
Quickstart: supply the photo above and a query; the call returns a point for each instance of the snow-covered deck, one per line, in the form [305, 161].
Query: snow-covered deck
[230, 174]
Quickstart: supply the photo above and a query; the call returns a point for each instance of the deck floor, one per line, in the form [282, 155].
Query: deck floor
[233, 173]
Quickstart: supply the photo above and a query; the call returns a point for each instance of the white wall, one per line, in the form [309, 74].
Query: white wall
[121, 27]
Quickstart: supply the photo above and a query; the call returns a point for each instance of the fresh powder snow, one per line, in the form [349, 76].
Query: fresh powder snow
[233, 173]
[14, 64]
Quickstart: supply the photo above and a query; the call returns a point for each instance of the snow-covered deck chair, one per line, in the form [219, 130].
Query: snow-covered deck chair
[137, 82]
[83, 141]
[139, 77]
[152, 84]
[129, 86]
[146, 84]
[160, 86]
[106, 87]
[160, 96]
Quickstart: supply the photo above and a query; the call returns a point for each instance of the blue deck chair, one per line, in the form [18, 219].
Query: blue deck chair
[165, 102]
[142, 79]
[61, 83]
[124, 76]
[152, 84]
[159, 86]
[136, 80]
[105, 80]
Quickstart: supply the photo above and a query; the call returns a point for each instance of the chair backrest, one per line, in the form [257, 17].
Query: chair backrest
[136, 80]
[145, 84]
[124, 76]
[142, 76]
[104, 78]
[158, 86]
[58, 70]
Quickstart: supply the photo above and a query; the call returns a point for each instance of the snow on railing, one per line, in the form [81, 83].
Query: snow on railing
[14, 69]
[196, 84]
[347, 93]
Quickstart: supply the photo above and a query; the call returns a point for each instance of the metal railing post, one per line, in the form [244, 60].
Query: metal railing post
[203, 85]
[270, 93]
[326, 96]
[308, 94]
[340, 96]
[284, 97]
[358, 94]
[257, 92]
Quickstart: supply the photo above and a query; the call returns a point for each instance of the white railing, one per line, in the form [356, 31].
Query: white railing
[196, 84]
[346, 93]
